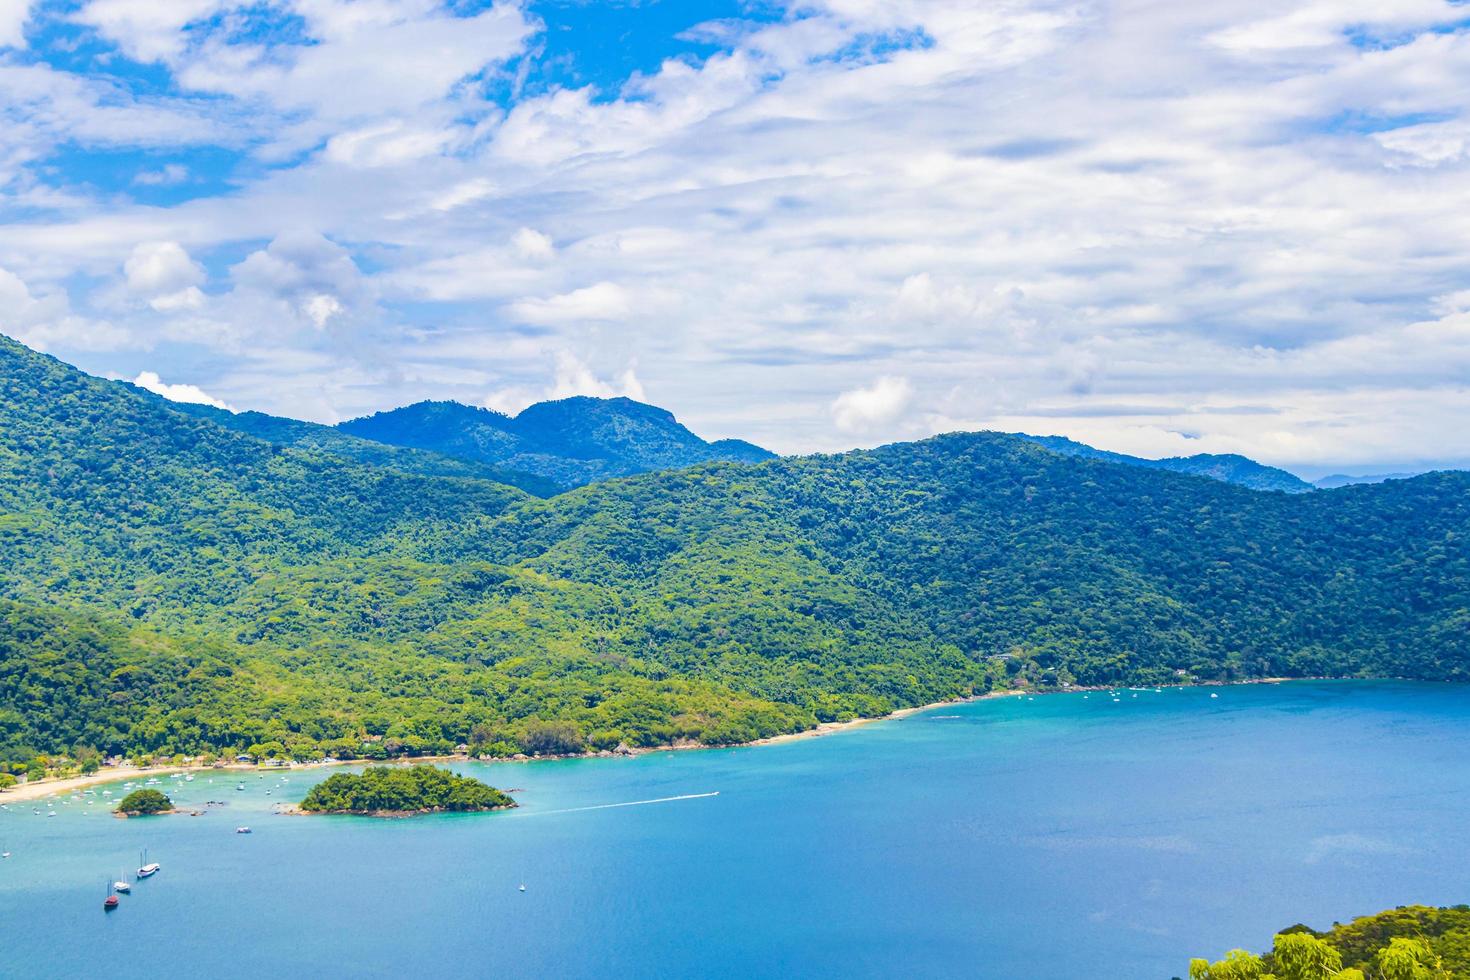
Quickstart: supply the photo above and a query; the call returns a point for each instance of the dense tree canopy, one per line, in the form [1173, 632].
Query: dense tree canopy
[144, 802]
[402, 789]
[171, 585]
[1410, 943]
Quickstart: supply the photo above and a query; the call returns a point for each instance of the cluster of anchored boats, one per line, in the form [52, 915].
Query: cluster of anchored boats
[147, 869]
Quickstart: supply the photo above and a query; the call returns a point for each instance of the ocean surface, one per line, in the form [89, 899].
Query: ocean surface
[1063, 836]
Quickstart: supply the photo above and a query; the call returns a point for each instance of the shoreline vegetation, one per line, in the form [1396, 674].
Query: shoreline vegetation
[40, 789]
[144, 803]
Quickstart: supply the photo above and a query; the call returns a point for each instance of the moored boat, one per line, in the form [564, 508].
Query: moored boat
[148, 868]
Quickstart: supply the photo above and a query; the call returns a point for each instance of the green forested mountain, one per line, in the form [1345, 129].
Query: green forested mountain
[570, 442]
[1229, 467]
[313, 601]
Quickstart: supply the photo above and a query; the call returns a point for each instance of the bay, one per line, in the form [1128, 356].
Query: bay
[1058, 836]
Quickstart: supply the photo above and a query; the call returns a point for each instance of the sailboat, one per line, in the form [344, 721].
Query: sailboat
[110, 902]
[147, 870]
[121, 885]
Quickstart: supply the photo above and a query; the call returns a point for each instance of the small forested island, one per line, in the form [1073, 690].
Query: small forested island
[144, 802]
[1413, 942]
[395, 791]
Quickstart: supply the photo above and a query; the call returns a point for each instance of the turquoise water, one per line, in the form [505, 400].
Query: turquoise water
[1055, 837]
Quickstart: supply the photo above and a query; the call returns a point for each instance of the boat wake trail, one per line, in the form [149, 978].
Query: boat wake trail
[611, 806]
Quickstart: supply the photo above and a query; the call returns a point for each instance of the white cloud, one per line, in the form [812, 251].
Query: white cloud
[13, 17]
[465, 192]
[571, 377]
[1167, 226]
[603, 301]
[321, 308]
[46, 321]
[385, 144]
[340, 77]
[161, 267]
[879, 404]
[1429, 144]
[187, 394]
[532, 244]
[42, 106]
[146, 30]
[167, 175]
[301, 276]
[1325, 23]
[165, 276]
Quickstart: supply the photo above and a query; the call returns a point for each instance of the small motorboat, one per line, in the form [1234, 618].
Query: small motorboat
[523, 886]
[242, 830]
[1214, 695]
[240, 788]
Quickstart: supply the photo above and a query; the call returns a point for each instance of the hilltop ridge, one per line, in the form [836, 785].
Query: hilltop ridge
[570, 442]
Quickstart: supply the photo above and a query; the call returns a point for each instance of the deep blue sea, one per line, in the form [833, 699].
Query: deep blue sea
[1063, 836]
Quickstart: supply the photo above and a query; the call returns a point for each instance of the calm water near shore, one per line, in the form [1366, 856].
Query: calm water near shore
[1055, 837]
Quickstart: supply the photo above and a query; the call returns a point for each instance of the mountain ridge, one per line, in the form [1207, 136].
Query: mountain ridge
[1226, 467]
[571, 441]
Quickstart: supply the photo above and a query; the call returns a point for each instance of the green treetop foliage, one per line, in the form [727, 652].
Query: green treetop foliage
[143, 802]
[172, 585]
[402, 789]
[1410, 943]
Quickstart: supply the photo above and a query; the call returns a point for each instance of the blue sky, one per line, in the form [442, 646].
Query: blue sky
[1161, 229]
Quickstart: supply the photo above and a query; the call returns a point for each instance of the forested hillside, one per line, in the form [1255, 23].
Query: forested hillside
[369, 609]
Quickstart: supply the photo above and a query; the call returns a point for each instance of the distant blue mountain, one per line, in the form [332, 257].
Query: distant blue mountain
[571, 442]
[1344, 480]
[1228, 468]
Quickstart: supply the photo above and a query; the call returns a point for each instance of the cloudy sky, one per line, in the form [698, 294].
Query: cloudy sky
[1159, 227]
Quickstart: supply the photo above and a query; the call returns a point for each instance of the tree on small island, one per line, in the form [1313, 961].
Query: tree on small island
[142, 802]
[403, 789]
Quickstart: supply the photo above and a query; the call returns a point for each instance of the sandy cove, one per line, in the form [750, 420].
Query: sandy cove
[25, 792]
[831, 727]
